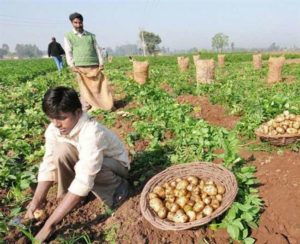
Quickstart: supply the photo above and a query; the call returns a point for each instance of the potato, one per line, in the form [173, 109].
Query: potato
[292, 131]
[159, 191]
[162, 213]
[193, 180]
[192, 215]
[156, 204]
[196, 190]
[173, 184]
[174, 207]
[181, 201]
[195, 197]
[279, 119]
[170, 216]
[191, 203]
[182, 185]
[169, 190]
[201, 184]
[199, 206]
[187, 208]
[215, 203]
[200, 215]
[152, 195]
[219, 197]
[39, 214]
[280, 130]
[207, 200]
[190, 187]
[210, 190]
[221, 189]
[296, 125]
[180, 217]
[170, 198]
[207, 210]
[210, 182]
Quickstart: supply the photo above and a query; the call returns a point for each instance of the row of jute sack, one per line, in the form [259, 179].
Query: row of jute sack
[205, 68]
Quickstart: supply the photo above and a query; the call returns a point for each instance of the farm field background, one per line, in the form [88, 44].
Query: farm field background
[169, 120]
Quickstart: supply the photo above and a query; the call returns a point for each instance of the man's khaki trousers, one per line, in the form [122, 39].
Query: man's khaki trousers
[106, 182]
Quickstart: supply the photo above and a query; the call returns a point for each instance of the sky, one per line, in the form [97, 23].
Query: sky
[181, 24]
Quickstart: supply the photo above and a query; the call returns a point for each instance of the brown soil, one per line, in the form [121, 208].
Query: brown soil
[167, 88]
[293, 61]
[212, 113]
[279, 175]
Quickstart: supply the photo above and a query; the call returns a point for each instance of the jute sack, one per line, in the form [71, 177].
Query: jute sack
[94, 87]
[275, 68]
[140, 71]
[183, 63]
[257, 63]
[205, 70]
[196, 58]
[221, 60]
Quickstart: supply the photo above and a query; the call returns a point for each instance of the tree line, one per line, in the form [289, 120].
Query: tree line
[148, 45]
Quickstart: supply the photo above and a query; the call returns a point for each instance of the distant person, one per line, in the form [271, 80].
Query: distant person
[84, 57]
[55, 50]
[104, 54]
[81, 155]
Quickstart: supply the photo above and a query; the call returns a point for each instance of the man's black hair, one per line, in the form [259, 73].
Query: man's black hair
[59, 100]
[75, 16]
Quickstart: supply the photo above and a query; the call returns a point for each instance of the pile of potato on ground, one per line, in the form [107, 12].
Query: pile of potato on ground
[283, 124]
[186, 199]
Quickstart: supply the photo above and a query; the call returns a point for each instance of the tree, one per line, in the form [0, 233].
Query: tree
[219, 41]
[128, 49]
[232, 46]
[4, 50]
[151, 41]
[273, 47]
[28, 51]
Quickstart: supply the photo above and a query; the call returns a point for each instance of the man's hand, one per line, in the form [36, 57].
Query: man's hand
[101, 67]
[66, 205]
[30, 211]
[38, 198]
[44, 233]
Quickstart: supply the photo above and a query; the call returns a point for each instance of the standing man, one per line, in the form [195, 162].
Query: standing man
[84, 57]
[55, 50]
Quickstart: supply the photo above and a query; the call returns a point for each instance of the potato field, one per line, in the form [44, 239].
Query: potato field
[171, 119]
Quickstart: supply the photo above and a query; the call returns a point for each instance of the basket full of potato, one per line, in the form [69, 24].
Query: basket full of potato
[189, 195]
[282, 130]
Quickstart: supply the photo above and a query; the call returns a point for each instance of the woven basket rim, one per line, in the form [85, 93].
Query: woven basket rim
[276, 136]
[165, 224]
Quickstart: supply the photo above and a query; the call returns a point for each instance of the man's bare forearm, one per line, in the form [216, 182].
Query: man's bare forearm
[67, 204]
[40, 193]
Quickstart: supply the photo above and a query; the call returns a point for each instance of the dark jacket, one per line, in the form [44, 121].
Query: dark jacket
[55, 49]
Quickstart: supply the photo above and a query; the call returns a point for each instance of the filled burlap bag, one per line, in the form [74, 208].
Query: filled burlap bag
[275, 69]
[140, 71]
[221, 60]
[94, 87]
[257, 61]
[205, 70]
[183, 63]
[196, 58]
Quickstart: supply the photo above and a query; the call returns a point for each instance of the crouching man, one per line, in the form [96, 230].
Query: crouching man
[81, 155]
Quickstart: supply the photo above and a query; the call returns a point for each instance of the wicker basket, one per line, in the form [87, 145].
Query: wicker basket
[278, 140]
[202, 170]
